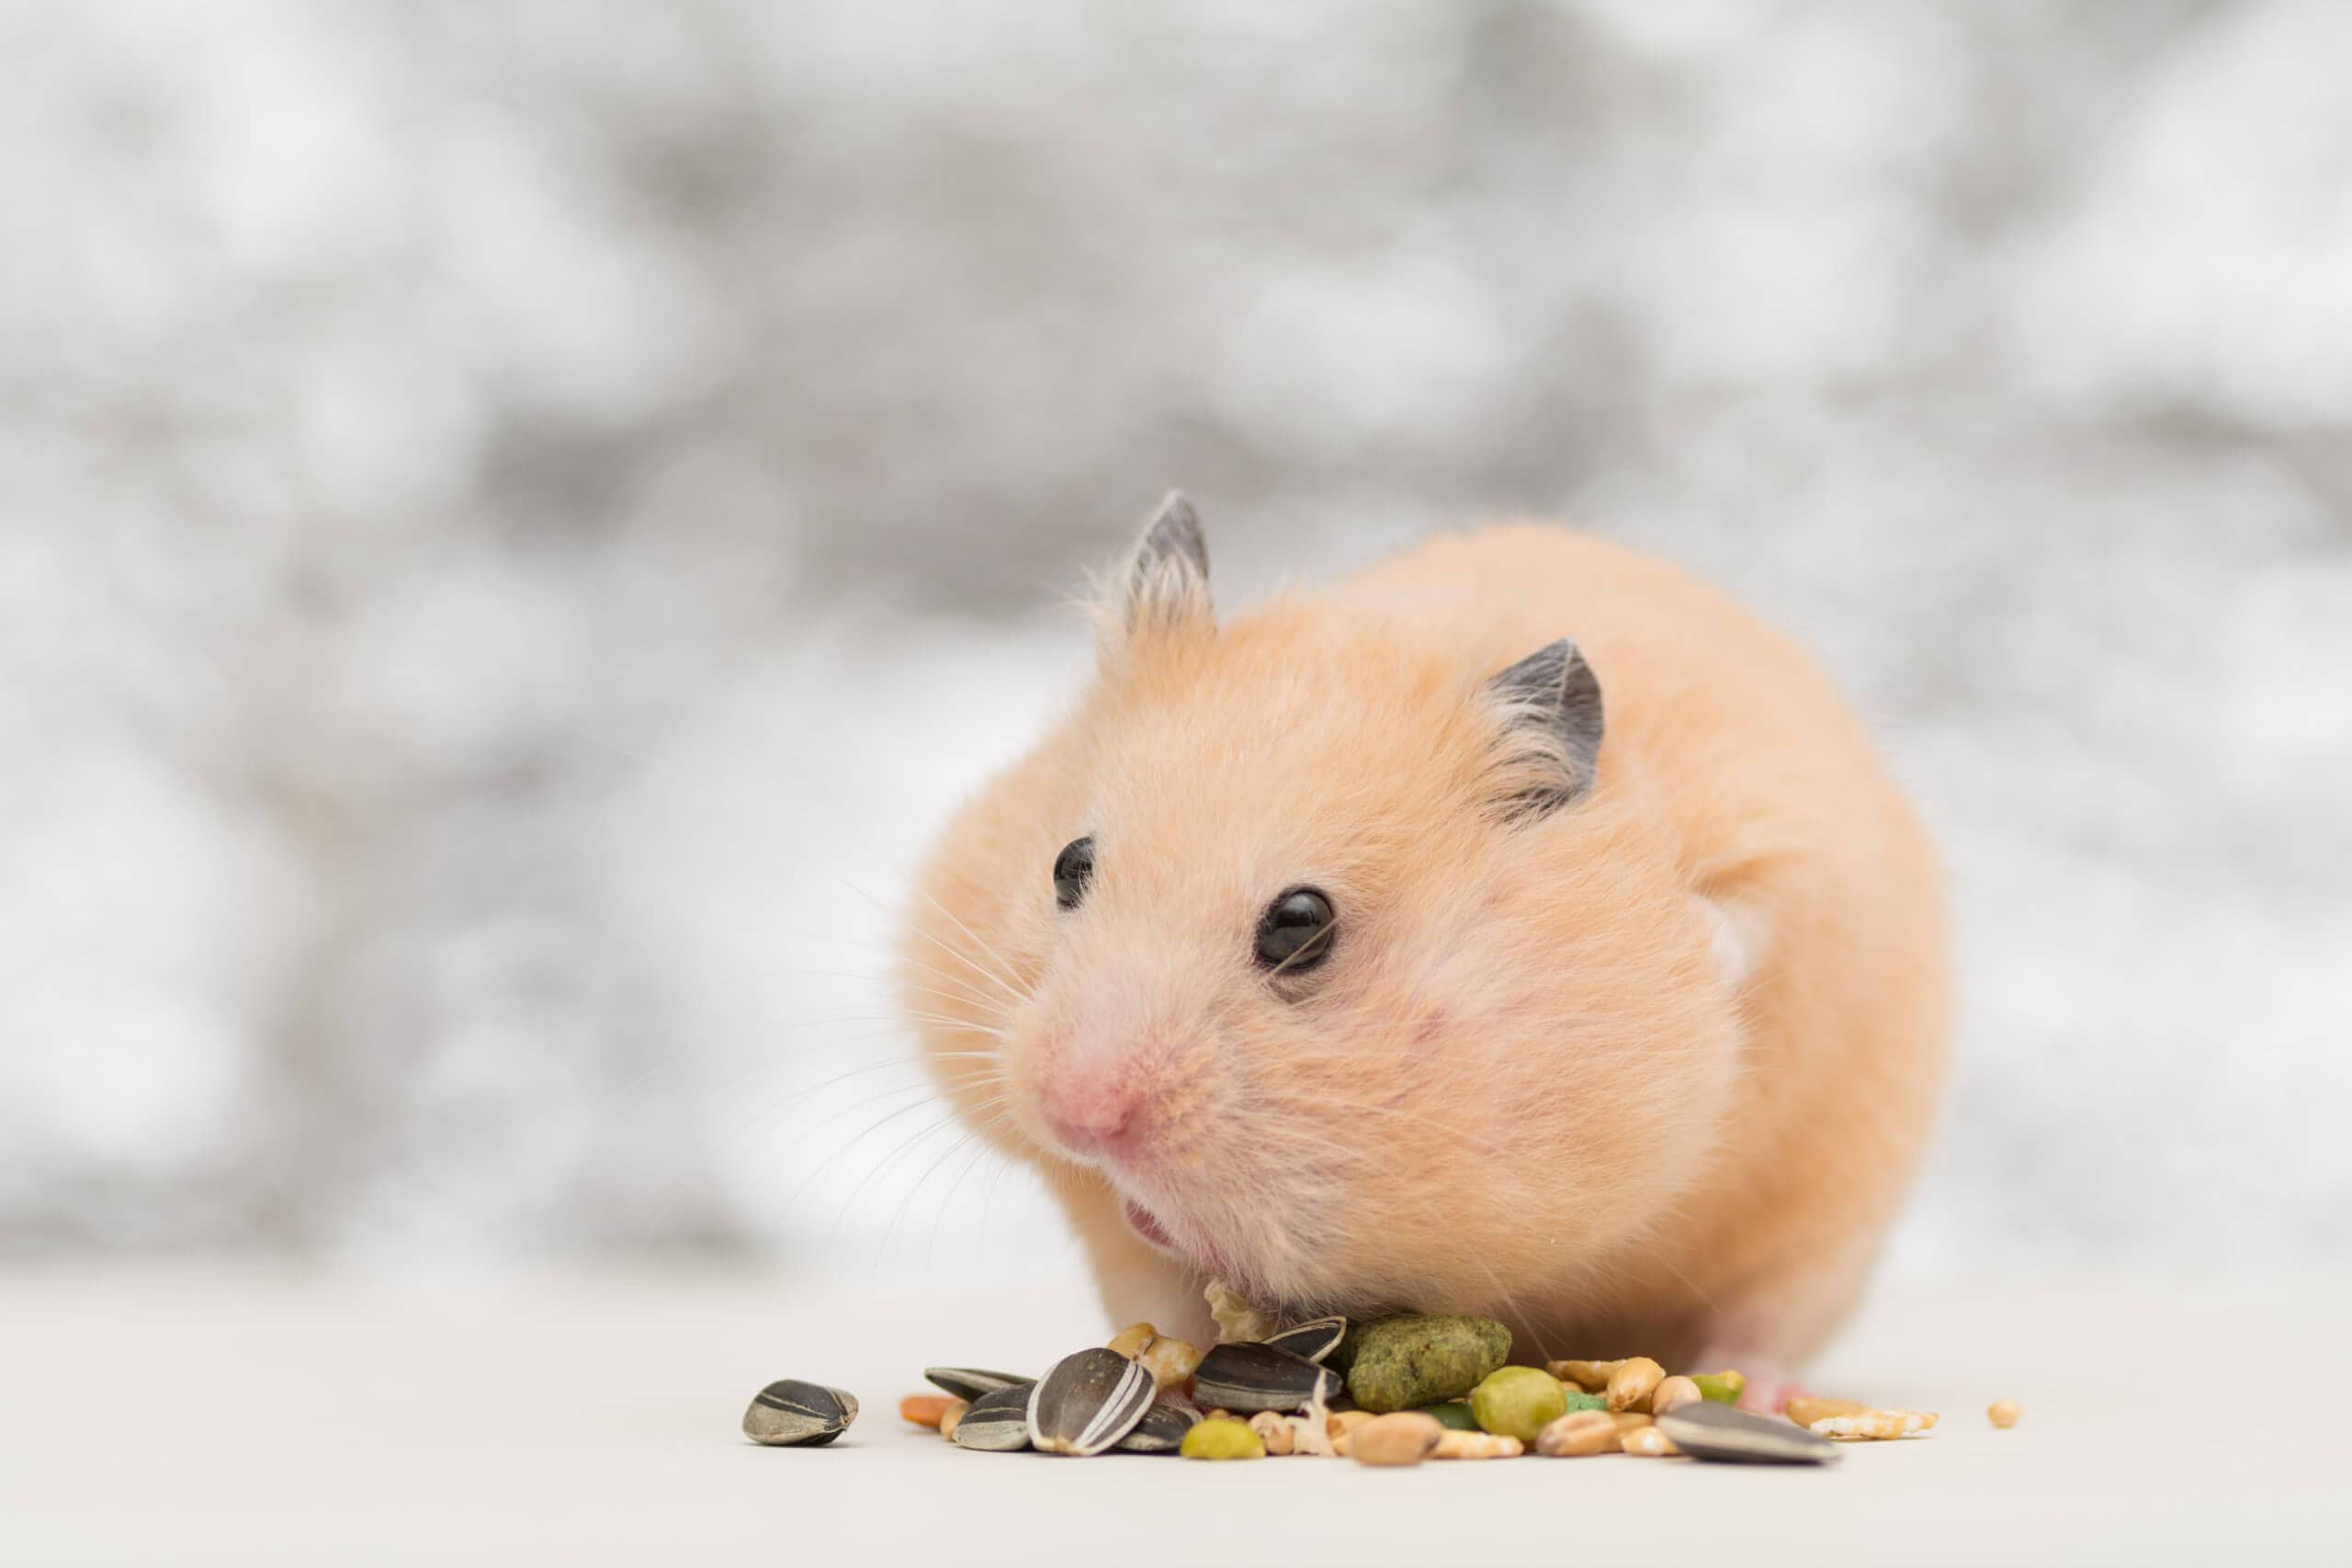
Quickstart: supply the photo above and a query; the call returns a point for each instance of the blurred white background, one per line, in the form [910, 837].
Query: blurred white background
[517, 520]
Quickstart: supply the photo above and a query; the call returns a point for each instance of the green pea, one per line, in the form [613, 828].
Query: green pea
[1724, 1388]
[1454, 1414]
[1519, 1402]
[1222, 1439]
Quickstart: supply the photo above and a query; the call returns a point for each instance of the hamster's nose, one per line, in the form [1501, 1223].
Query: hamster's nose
[1094, 1109]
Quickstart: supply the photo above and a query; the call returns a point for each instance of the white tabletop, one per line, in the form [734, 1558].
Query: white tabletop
[164, 1415]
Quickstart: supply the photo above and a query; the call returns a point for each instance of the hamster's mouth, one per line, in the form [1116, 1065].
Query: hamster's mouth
[1146, 1223]
[1157, 1236]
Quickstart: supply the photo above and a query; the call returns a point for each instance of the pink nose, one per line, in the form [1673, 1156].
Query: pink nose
[1092, 1111]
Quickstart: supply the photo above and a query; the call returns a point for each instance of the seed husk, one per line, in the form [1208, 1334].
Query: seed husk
[1726, 1434]
[997, 1422]
[1161, 1431]
[971, 1383]
[1088, 1401]
[796, 1414]
[1311, 1341]
[1249, 1377]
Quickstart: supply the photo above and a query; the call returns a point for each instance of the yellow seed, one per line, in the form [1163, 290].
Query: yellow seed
[1341, 1422]
[2004, 1413]
[1650, 1443]
[1578, 1434]
[1170, 1361]
[1452, 1444]
[1406, 1437]
[1628, 1420]
[1222, 1439]
[1806, 1411]
[1134, 1339]
[1631, 1386]
[1673, 1394]
[1589, 1376]
[951, 1415]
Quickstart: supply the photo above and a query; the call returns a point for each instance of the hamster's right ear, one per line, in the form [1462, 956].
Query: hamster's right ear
[1551, 702]
[1167, 582]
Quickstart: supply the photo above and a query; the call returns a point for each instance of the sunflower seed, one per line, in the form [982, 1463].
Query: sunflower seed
[1161, 1431]
[1708, 1430]
[796, 1414]
[971, 1382]
[1249, 1377]
[1311, 1341]
[1088, 1401]
[997, 1423]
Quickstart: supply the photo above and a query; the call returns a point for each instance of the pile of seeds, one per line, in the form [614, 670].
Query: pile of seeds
[1392, 1391]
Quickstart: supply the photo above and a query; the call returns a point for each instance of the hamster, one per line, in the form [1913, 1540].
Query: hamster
[1517, 928]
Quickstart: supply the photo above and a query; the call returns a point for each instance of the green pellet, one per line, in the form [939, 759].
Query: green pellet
[1403, 1363]
[1454, 1414]
[1579, 1400]
[1517, 1402]
[1724, 1388]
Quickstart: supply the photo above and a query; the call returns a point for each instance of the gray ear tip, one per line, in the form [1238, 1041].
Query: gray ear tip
[1174, 533]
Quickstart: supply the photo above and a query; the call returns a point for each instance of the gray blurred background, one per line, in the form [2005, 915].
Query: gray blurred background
[516, 520]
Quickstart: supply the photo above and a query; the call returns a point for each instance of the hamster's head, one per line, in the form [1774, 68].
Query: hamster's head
[1341, 965]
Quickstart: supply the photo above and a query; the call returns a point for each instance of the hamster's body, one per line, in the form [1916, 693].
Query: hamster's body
[1644, 1068]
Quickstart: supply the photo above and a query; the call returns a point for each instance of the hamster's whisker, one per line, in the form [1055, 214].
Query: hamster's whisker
[939, 1217]
[841, 1221]
[963, 991]
[897, 1215]
[998, 958]
[946, 1021]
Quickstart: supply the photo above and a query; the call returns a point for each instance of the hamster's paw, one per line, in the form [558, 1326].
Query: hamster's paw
[1770, 1386]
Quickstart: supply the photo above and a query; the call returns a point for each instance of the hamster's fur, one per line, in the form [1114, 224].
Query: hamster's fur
[1636, 1050]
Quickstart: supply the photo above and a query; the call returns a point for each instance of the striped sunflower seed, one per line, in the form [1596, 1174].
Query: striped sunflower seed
[1088, 1401]
[997, 1423]
[796, 1414]
[1250, 1378]
[1310, 1341]
[971, 1382]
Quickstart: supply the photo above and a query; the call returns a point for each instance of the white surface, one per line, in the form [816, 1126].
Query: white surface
[163, 1416]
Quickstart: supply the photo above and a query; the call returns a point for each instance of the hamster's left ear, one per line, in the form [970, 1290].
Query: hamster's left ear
[1551, 703]
[1167, 582]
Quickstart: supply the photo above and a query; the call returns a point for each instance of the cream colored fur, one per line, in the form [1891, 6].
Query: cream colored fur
[1650, 1073]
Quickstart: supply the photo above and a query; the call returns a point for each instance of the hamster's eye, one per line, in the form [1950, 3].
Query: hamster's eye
[1073, 869]
[1294, 932]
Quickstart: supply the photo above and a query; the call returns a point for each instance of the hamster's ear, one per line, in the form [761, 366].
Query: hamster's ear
[1551, 705]
[1167, 582]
